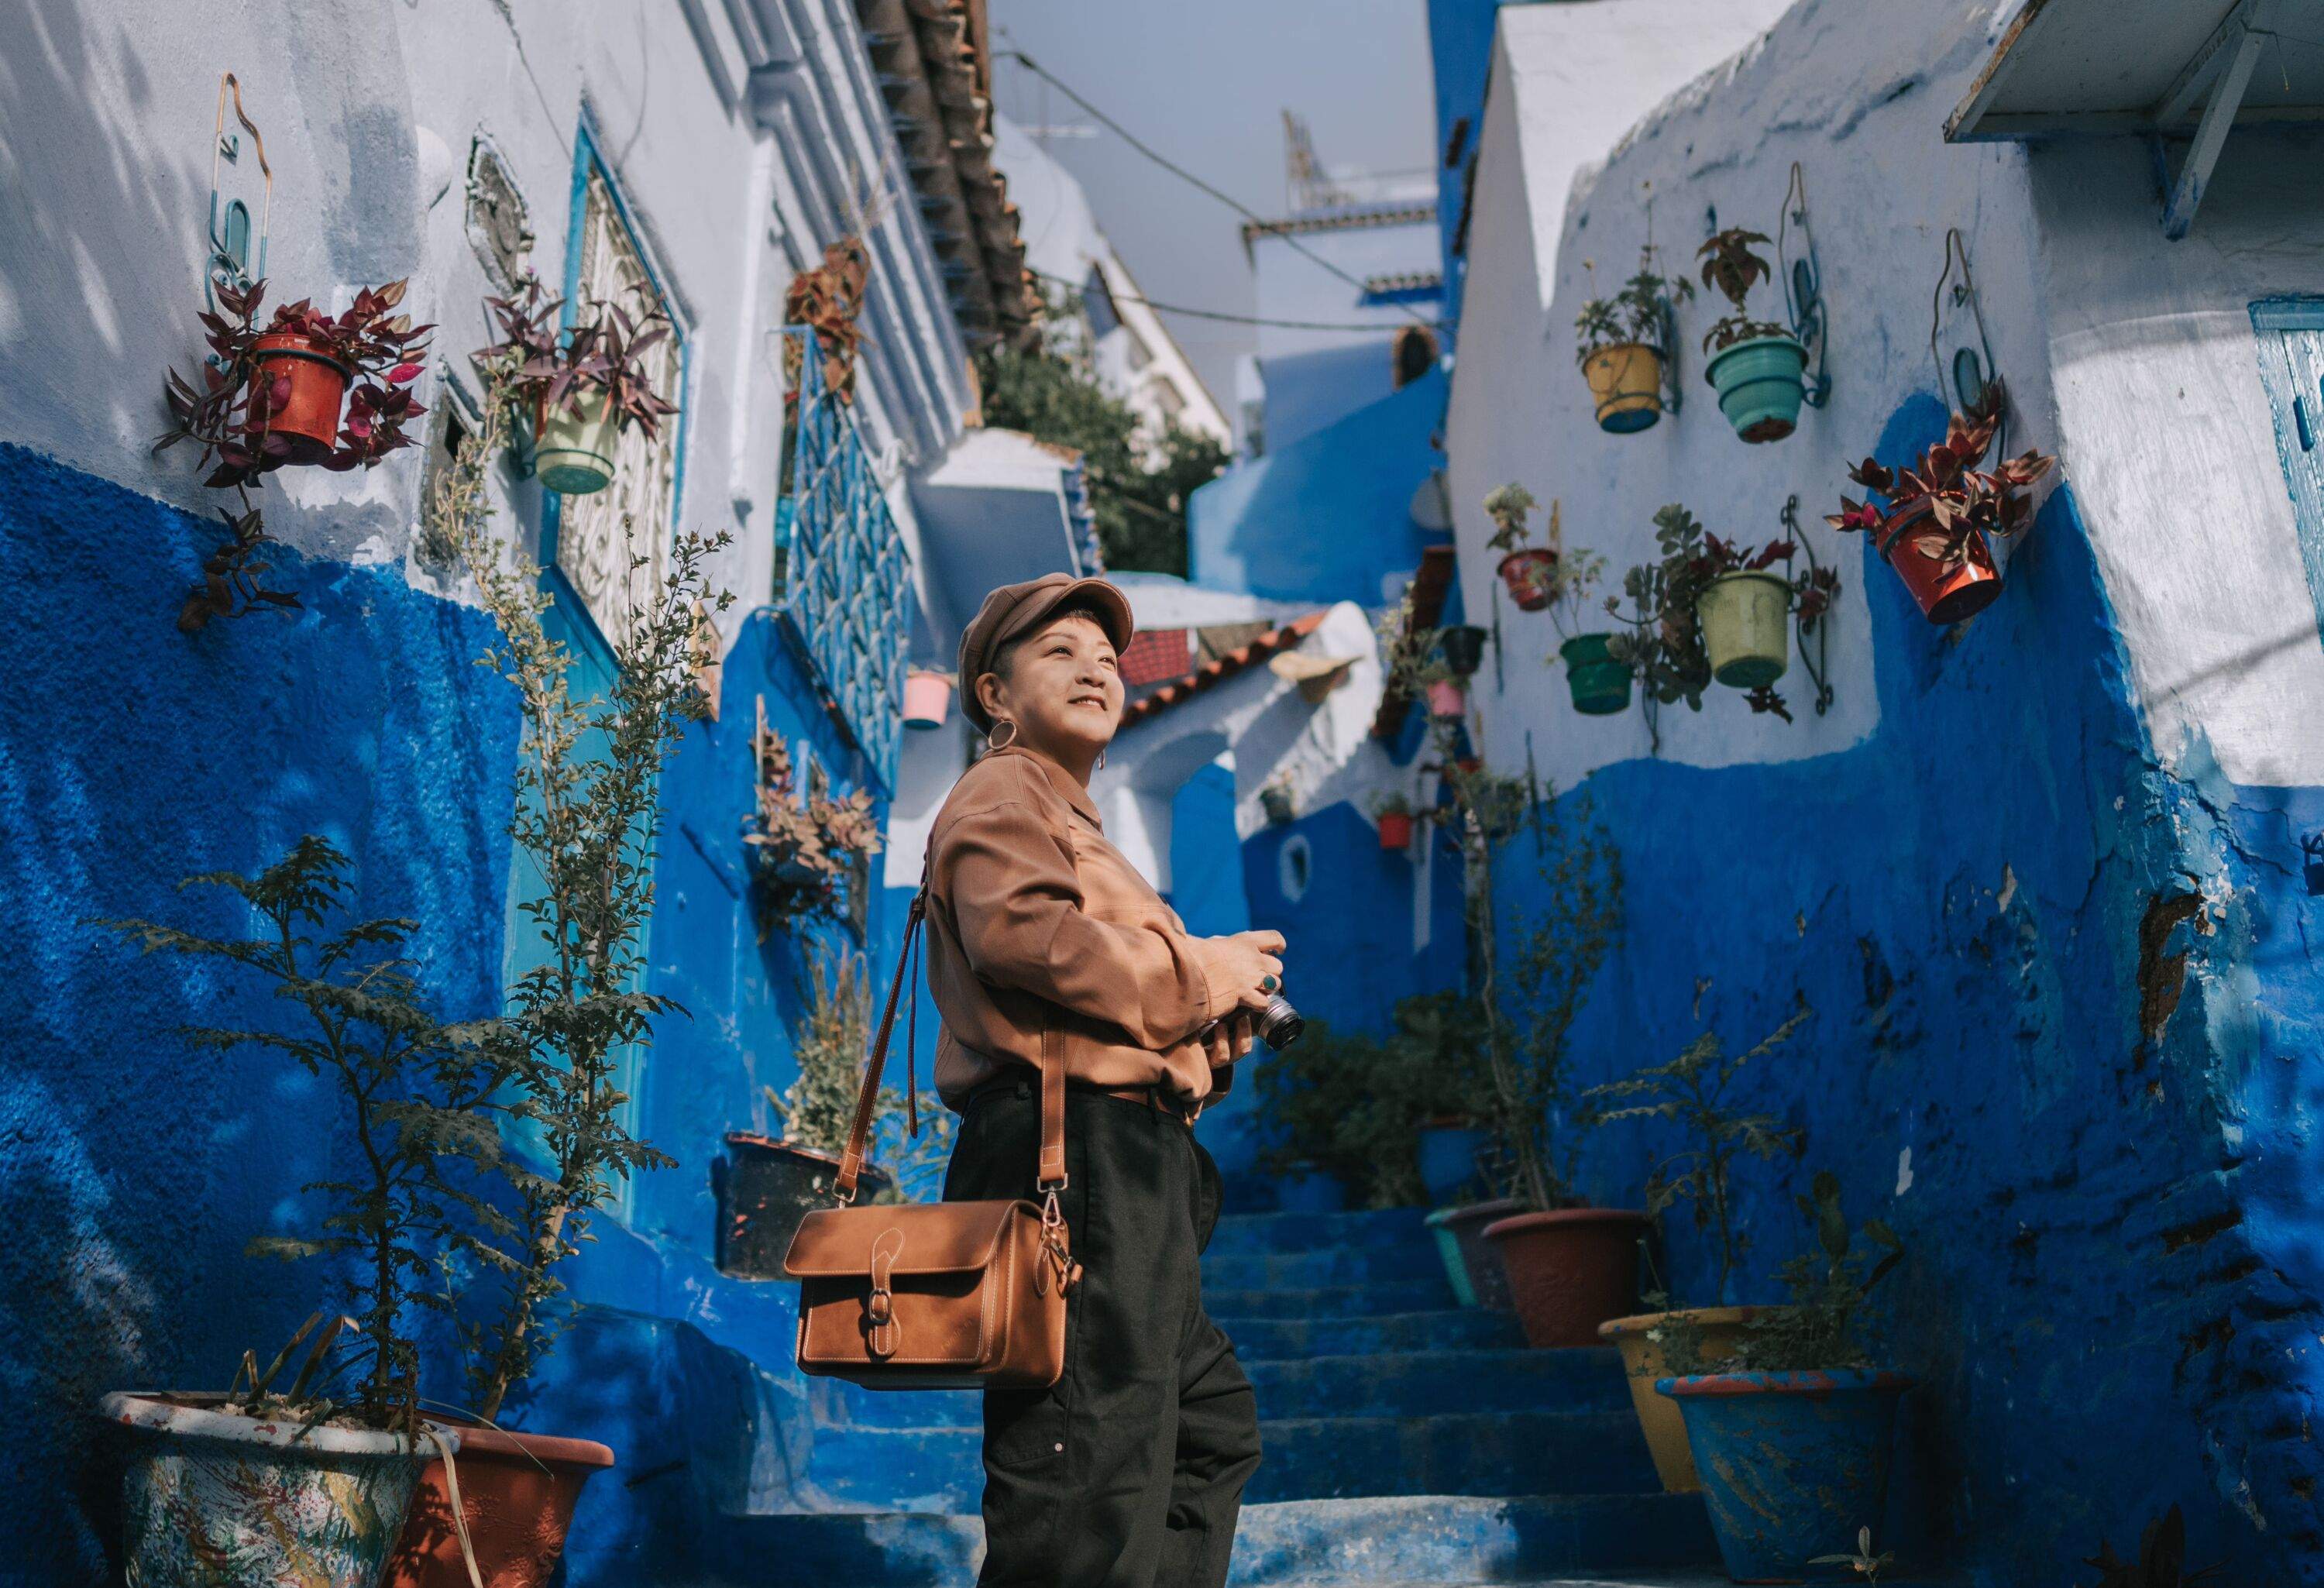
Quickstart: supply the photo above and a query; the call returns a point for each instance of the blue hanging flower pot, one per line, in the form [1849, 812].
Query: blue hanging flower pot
[1761, 384]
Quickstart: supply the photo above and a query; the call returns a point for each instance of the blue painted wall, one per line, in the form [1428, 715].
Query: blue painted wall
[1461, 54]
[2116, 1273]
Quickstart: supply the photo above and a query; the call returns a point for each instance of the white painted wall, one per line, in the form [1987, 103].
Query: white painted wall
[2130, 356]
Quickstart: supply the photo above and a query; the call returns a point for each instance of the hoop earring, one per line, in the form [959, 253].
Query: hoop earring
[996, 739]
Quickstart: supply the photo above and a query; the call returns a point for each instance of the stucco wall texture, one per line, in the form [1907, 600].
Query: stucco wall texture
[2037, 877]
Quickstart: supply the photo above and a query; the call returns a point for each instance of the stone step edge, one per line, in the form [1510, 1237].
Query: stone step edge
[1358, 1423]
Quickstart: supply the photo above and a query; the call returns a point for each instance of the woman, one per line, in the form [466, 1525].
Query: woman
[1131, 1470]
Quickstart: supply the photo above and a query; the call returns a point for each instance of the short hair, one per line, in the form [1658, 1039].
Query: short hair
[1004, 655]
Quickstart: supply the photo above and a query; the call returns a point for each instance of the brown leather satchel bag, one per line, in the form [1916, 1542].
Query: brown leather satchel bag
[936, 1295]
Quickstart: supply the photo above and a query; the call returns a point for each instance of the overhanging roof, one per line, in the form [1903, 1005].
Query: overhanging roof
[2169, 68]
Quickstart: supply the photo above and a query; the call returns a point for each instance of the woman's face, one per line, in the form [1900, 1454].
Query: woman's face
[1062, 690]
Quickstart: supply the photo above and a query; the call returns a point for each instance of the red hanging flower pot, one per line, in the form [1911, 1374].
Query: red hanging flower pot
[1531, 575]
[1946, 595]
[302, 390]
[1396, 830]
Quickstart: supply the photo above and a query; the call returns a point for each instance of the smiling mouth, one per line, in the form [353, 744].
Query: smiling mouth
[1096, 700]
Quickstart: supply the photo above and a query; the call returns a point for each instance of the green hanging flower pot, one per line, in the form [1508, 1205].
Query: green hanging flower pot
[1746, 623]
[1600, 685]
[1761, 384]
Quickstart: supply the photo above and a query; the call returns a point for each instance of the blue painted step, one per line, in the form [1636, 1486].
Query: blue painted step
[1332, 1301]
[1315, 1232]
[1468, 1453]
[1446, 1329]
[1429, 1539]
[1422, 1383]
[1303, 1271]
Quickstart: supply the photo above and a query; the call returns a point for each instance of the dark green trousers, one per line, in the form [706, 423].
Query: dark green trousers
[1127, 1473]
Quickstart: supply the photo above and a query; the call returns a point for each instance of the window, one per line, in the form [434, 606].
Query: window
[2290, 333]
[600, 537]
[1097, 304]
[499, 225]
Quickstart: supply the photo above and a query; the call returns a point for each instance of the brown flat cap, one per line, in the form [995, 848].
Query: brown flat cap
[1012, 609]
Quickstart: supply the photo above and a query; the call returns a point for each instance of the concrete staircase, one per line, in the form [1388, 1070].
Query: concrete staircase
[1406, 1441]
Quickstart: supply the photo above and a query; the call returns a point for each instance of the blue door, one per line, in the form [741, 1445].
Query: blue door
[2291, 332]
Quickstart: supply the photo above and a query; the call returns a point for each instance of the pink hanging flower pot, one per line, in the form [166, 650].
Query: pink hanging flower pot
[1447, 700]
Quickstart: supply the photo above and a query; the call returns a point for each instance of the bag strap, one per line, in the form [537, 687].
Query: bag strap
[1050, 1176]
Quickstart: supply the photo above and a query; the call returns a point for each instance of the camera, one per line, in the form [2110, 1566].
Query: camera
[1280, 1025]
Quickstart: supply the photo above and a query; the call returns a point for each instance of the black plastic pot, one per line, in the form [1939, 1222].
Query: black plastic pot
[766, 1187]
[1464, 648]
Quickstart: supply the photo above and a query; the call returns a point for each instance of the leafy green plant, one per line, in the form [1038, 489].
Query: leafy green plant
[1394, 802]
[1638, 312]
[818, 1109]
[1565, 581]
[1817, 1329]
[1690, 1091]
[415, 1091]
[1730, 267]
[1511, 507]
[1861, 1560]
[804, 844]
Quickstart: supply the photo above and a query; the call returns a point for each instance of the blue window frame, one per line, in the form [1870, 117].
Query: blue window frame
[842, 576]
[2291, 332]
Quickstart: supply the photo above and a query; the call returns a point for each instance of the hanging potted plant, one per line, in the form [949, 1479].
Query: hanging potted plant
[1393, 812]
[1690, 1091]
[1600, 684]
[322, 1470]
[1622, 350]
[1529, 571]
[1463, 645]
[579, 386]
[1793, 1444]
[1447, 697]
[1934, 531]
[803, 847]
[1277, 800]
[1757, 367]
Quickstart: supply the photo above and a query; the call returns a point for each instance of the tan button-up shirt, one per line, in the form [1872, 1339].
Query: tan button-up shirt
[1040, 931]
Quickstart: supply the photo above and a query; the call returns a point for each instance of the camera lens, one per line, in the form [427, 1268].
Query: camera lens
[1280, 1026]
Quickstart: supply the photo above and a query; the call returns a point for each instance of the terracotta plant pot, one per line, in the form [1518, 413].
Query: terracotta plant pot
[927, 697]
[308, 417]
[1396, 830]
[1531, 575]
[1600, 685]
[1464, 648]
[517, 1492]
[1447, 700]
[1569, 1270]
[1480, 1256]
[1943, 597]
[765, 1187]
[575, 454]
[1761, 386]
[1792, 1464]
[1645, 1359]
[215, 1501]
[1626, 380]
[1746, 628]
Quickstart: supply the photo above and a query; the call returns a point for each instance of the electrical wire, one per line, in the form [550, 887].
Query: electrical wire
[1239, 320]
[1183, 174]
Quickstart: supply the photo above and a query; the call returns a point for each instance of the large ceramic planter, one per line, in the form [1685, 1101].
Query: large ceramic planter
[1942, 597]
[1530, 573]
[1746, 628]
[1464, 648]
[1643, 1343]
[1308, 1189]
[517, 1492]
[1447, 701]
[1600, 685]
[211, 1500]
[1569, 1270]
[1626, 382]
[766, 1187]
[1448, 1152]
[1761, 384]
[1792, 1464]
[575, 453]
[1480, 1259]
[1396, 830]
[313, 387]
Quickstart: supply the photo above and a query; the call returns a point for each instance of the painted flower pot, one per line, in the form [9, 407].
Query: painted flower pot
[1448, 1249]
[212, 1499]
[517, 1494]
[1792, 1464]
[1746, 628]
[1531, 575]
[576, 451]
[1306, 1189]
[1627, 381]
[1600, 685]
[1448, 1159]
[1761, 384]
[1569, 1270]
[1480, 1256]
[765, 1187]
[1447, 700]
[1464, 648]
[1943, 597]
[1396, 830]
[1644, 1341]
[927, 698]
[307, 387]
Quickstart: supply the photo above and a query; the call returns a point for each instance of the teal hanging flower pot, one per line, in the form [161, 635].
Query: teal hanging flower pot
[1600, 685]
[1761, 384]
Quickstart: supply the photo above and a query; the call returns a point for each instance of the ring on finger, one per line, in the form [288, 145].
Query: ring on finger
[1268, 984]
